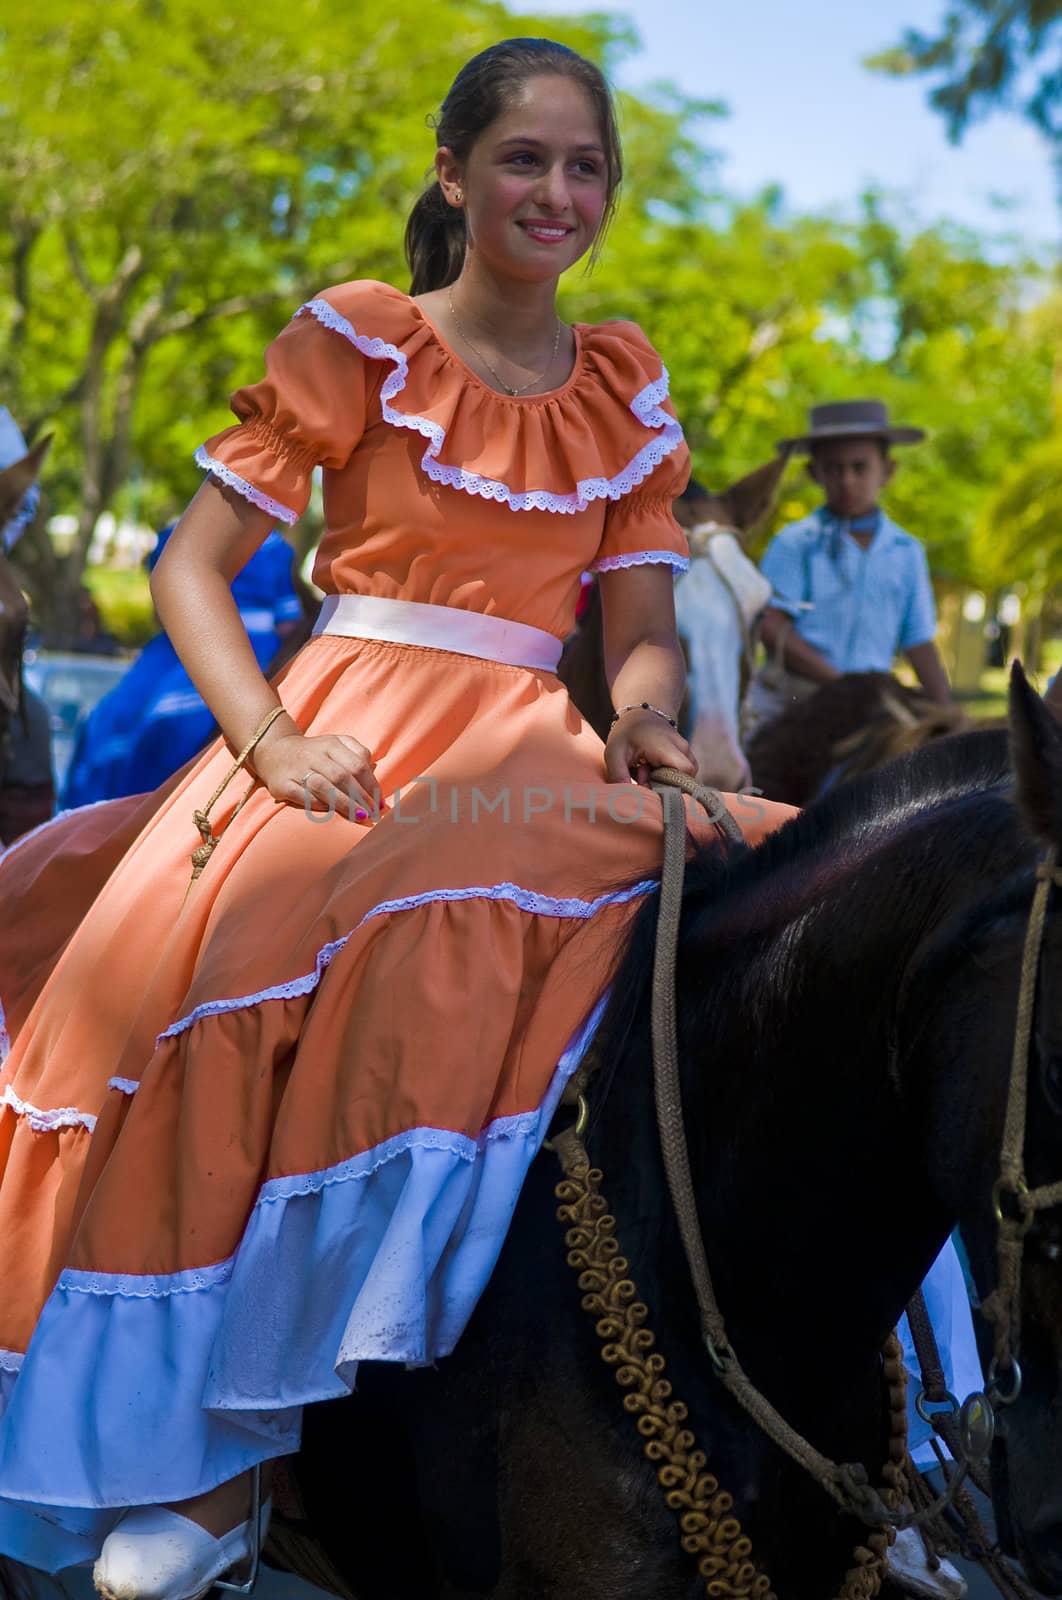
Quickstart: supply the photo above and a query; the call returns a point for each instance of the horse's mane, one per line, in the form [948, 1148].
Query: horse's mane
[861, 814]
[732, 892]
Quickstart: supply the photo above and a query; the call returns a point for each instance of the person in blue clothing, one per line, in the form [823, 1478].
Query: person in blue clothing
[851, 588]
[154, 720]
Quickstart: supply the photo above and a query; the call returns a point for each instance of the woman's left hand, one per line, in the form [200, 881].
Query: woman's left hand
[641, 741]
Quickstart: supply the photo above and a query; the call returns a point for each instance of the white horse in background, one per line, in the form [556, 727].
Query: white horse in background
[718, 604]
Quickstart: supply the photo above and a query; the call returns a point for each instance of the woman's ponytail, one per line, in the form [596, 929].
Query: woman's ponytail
[435, 241]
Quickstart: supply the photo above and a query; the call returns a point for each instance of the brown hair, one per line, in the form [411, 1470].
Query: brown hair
[482, 90]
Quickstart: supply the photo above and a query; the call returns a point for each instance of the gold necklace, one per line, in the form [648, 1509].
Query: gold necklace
[507, 387]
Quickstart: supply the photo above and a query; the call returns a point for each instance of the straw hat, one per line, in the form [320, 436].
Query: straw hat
[851, 419]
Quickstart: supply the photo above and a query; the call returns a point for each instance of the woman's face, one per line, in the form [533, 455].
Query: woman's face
[535, 183]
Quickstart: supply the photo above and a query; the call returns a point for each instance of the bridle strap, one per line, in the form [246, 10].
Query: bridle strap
[1003, 1305]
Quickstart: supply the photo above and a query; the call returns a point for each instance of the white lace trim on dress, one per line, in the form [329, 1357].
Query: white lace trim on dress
[146, 1286]
[159, 1286]
[526, 899]
[264, 502]
[645, 406]
[47, 1121]
[642, 558]
[124, 1085]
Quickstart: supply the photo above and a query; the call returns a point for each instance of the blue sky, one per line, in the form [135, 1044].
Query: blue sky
[807, 114]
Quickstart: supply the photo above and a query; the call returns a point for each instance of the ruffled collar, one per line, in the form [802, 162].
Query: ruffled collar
[597, 437]
[579, 329]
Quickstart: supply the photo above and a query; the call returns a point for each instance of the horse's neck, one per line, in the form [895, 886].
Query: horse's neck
[813, 1174]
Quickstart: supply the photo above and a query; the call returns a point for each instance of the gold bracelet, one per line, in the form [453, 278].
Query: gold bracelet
[202, 852]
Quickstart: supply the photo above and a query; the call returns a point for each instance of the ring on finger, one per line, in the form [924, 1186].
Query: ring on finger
[306, 780]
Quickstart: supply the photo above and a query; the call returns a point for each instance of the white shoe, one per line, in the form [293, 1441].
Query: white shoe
[155, 1554]
[910, 1570]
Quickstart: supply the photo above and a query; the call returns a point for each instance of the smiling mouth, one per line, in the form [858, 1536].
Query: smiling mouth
[551, 232]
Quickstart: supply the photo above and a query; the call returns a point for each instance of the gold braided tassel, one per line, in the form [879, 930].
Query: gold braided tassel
[863, 1579]
[708, 1529]
[202, 852]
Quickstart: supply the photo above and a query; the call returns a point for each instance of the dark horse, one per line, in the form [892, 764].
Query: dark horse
[846, 1009]
[846, 1001]
[859, 721]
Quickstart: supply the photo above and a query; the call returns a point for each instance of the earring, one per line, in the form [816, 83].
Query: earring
[458, 196]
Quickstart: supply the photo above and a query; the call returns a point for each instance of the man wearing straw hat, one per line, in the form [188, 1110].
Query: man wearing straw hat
[851, 588]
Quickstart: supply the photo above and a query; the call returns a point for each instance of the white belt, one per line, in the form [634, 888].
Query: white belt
[469, 633]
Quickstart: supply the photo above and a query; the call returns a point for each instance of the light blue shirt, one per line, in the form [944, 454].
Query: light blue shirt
[856, 607]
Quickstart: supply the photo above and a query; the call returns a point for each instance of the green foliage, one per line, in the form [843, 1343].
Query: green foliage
[1019, 532]
[125, 604]
[988, 53]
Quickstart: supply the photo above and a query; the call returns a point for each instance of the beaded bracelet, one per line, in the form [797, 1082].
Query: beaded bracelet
[643, 705]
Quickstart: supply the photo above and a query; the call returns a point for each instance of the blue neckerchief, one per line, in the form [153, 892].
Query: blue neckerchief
[836, 527]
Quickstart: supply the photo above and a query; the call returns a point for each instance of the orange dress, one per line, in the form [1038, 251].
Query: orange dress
[259, 1130]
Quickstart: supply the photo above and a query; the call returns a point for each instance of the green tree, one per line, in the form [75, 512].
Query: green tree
[988, 53]
[1018, 535]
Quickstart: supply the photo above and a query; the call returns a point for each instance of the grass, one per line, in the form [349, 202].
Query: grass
[992, 699]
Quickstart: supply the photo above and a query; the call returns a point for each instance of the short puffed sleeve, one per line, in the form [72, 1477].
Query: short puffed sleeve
[640, 527]
[308, 411]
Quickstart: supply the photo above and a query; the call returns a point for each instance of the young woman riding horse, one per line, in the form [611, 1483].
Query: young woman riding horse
[268, 1112]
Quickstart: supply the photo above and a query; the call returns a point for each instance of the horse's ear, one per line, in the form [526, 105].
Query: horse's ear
[1036, 756]
[748, 501]
[17, 478]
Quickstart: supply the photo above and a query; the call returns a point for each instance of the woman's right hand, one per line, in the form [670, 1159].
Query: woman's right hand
[327, 771]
